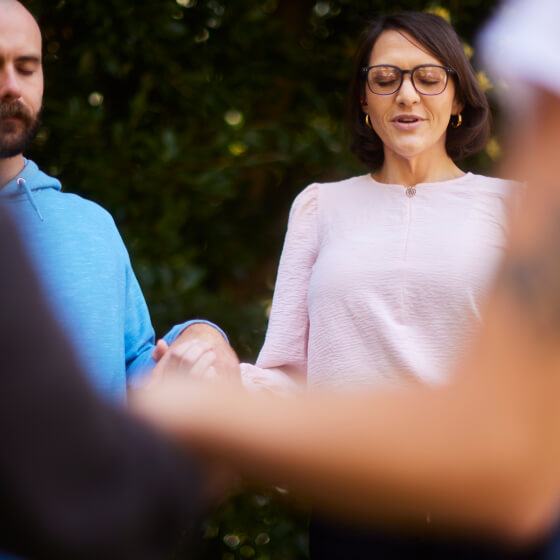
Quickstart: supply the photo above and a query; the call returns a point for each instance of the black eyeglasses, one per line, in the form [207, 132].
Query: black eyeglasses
[427, 79]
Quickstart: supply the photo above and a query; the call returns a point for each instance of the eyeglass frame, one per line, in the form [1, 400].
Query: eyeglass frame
[448, 71]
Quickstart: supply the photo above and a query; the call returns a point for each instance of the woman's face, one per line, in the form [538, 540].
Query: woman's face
[408, 123]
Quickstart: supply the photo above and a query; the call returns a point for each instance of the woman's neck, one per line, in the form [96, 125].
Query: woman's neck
[410, 172]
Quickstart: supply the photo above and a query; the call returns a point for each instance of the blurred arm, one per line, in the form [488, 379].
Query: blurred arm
[481, 452]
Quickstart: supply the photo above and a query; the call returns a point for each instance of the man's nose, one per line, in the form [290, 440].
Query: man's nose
[10, 88]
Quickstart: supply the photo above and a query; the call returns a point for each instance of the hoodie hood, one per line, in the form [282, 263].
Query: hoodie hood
[34, 178]
[29, 182]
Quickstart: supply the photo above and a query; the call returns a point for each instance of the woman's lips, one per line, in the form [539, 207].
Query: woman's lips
[407, 122]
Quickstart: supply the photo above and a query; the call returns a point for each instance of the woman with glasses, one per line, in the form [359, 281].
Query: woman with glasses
[382, 276]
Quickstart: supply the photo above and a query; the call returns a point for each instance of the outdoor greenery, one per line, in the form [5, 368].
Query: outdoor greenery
[195, 123]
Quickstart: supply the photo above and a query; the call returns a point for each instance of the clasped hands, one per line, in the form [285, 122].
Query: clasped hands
[200, 351]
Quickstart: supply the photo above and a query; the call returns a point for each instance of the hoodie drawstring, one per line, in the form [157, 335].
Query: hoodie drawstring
[22, 183]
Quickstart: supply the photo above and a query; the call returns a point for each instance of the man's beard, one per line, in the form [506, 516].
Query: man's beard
[13, 142]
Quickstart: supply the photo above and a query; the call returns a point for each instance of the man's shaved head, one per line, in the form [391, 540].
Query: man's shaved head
[19, 6]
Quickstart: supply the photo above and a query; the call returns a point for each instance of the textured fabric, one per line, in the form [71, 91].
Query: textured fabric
[86, 271]
[78, 478]
[375, 287]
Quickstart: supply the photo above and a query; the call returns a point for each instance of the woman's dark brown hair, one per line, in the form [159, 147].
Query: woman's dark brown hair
[438, 37]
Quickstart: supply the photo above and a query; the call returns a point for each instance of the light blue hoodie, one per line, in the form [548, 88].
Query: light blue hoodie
[88, 278]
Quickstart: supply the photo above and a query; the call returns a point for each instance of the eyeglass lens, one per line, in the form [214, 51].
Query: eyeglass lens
[428, 80]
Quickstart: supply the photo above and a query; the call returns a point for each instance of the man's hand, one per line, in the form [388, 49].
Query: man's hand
[201, 351]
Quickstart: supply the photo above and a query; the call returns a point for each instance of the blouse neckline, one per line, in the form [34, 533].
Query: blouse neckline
[447, 182]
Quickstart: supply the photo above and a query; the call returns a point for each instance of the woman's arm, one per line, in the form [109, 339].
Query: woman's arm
[282, 362]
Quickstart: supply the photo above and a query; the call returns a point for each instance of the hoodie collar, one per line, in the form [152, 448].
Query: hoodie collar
[27, 183]
[34, 178]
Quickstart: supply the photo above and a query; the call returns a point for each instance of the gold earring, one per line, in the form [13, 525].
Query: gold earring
[368, 122]
[458, 122]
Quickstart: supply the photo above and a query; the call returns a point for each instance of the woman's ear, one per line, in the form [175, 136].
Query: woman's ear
[363, 103]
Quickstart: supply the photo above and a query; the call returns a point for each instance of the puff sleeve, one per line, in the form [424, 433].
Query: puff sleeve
[282, 362]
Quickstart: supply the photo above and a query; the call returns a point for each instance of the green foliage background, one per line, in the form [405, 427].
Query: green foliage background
[195, 123]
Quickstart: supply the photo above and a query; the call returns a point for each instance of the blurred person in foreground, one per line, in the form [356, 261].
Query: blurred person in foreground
[79, 478]
[482, 452]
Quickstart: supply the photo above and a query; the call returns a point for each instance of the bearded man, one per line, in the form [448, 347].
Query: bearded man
[74, 243]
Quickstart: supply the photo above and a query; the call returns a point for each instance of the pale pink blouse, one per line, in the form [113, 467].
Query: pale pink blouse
[375, 287]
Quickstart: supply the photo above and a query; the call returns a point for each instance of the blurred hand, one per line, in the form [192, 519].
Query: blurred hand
[170, 399]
